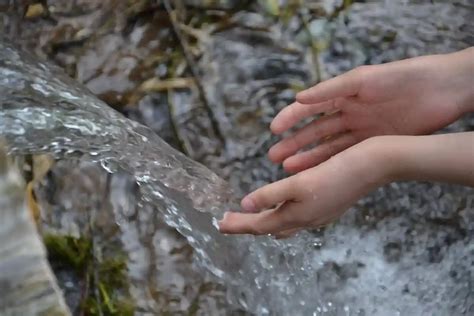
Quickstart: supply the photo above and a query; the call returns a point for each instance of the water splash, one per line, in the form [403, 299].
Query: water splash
[41, 110]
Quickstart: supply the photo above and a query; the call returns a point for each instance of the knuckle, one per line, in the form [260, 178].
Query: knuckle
[361, 73]
[361, 70]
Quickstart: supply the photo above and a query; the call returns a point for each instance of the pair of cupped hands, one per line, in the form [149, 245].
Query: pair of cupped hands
[356, 117]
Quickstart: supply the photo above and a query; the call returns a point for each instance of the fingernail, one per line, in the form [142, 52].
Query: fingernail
[219, 226]
[221, 230]
[248, 205]
[219, 223]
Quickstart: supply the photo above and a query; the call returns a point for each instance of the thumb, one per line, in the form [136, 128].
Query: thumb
[269, 195]
[266, 222]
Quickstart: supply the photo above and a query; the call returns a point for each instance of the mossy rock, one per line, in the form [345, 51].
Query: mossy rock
[105, 281]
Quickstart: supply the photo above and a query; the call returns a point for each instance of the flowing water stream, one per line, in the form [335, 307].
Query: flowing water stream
[45, 112]
[397, 254]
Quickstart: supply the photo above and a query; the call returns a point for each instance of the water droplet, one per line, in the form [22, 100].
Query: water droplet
[215, 223]
[109, 165]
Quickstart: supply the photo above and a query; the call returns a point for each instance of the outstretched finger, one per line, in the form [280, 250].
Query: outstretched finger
[320, 153]
[295, 112]
[345, 85]
[313, 132]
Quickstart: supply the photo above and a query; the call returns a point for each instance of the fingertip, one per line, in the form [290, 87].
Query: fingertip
[227, 222]
[237, 223]
[273, 154]
[222, 224]
[225, 217]
[282, 121]
[276, 127]
[248, 204]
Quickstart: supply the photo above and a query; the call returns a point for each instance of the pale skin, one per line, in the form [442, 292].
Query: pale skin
[374, 131]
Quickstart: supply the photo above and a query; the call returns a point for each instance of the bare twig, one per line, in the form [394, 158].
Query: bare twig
[194, 70]
[154, 84]
[174, 124]
[314, 47]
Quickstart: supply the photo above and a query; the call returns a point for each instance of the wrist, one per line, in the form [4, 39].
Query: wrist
[372, 162]
[383, 164]
[444, 158]
[460, 76]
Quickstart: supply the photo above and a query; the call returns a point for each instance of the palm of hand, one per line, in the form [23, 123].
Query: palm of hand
[361, 104]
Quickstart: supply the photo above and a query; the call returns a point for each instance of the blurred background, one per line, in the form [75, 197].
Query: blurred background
[208, 77]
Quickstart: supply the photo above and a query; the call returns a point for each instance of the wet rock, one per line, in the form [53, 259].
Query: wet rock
[153, 110]
[260, 81]
[117, 64]
[334, 276]
[160, 277]
[111, 51]
[392, 251]
[390, 35]
[26, 282]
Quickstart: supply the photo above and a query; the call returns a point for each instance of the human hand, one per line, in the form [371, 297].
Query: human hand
[321, 194]
[311, 198]
[410, 97]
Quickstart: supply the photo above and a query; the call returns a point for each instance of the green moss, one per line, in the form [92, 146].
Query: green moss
[69, 251]
[347, 4]
[112, 282]
[194, 308]
[113, 272]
